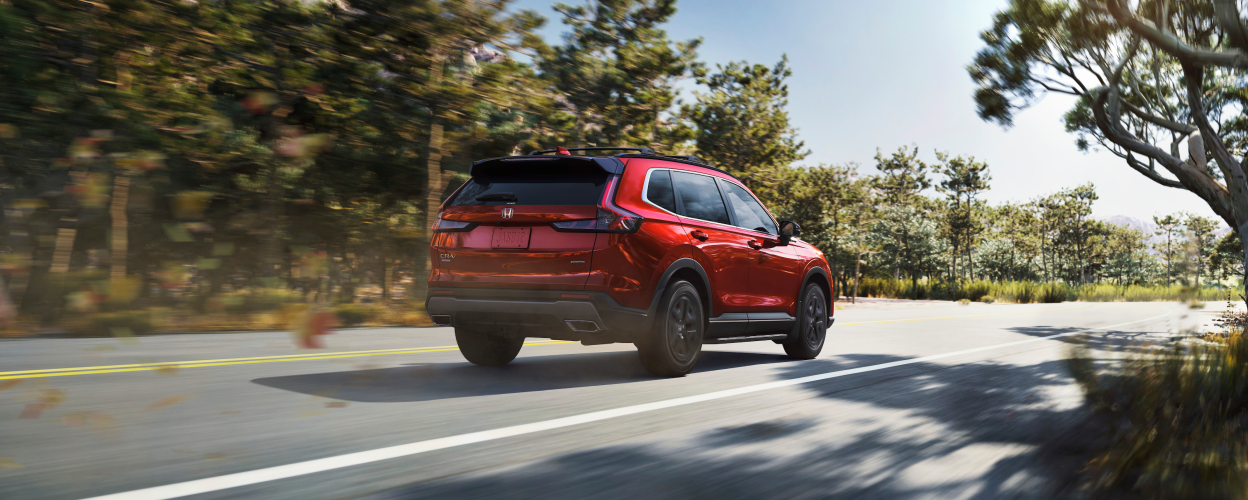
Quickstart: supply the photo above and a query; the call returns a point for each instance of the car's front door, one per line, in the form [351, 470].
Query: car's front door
[775, 271]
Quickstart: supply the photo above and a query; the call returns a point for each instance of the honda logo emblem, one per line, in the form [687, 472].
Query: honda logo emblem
[507, 212]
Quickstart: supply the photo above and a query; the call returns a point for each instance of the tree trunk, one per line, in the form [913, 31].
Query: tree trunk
[857, 272]
[1243, 245]
[271, 248]
[120, 236]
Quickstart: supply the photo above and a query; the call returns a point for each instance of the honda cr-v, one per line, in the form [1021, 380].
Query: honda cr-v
[665, 252]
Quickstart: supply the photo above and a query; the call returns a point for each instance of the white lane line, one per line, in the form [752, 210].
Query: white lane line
[227, 481]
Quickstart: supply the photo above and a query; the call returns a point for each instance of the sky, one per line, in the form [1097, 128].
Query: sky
[891, 73]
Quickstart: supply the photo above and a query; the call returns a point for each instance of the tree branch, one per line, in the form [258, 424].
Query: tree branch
[1236, 181]
[1195, 180]
[1227, 15]
[1159, 121]
[1151, 173]
[1233, 58]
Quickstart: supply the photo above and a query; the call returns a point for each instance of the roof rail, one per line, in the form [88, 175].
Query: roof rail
[687, 158]
[644, 151]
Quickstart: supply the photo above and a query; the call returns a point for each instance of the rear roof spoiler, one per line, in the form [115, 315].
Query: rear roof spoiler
[608, 164]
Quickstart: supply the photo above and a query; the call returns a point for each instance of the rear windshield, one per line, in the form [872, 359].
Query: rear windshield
[580, 188]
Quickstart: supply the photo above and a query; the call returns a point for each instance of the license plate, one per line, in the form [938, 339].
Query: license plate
[510, 237]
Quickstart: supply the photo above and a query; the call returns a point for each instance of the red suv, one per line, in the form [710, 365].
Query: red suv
[665, 252]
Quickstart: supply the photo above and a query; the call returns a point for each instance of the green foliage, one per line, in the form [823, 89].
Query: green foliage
[1177, 418]
[257, 300]
[911, 239]
[617, 72]
[1027, 292]
[111, 324]
[356, 314]
[742, 124]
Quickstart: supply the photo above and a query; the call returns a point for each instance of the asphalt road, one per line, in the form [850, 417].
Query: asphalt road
[925, 400]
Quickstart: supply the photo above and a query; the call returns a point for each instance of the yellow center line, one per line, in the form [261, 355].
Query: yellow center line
[91, 370]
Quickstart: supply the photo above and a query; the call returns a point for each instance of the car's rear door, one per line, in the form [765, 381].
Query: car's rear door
[495, 231]
[703, 212]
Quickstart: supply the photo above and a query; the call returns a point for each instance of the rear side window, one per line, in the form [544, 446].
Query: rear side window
[580, 188]
[750, 214]
[659, 190]
[700, 197]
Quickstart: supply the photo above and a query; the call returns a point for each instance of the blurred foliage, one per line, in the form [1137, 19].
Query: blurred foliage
[1027, 292]
[1178, 419]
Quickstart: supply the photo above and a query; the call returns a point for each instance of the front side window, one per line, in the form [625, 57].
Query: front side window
[700, 197]
[750, 214]
[659, 190]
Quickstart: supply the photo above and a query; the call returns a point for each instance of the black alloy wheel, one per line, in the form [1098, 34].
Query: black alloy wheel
[812, 325]
[672, 347]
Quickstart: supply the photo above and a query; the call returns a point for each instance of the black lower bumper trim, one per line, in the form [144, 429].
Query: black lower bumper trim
[561, 314]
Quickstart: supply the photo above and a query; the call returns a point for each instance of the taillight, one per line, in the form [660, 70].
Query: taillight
[451, 226]
[610, 218]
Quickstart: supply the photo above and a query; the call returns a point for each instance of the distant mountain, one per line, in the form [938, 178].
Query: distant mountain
[1127, 221]
[1148, 227]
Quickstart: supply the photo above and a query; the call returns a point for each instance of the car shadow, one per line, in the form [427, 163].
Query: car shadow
[436, 381]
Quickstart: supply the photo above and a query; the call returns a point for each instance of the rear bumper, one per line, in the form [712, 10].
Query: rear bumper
[567, 315]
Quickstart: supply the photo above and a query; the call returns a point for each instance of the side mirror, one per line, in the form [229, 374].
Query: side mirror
[789, 229]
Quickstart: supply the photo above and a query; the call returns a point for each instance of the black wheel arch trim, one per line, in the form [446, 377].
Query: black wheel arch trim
[677, 265]
[814, 270]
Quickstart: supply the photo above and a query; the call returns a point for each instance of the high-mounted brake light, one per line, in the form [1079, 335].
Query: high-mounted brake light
[610, 217]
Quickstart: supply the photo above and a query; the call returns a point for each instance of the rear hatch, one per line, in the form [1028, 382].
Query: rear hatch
[496, 231]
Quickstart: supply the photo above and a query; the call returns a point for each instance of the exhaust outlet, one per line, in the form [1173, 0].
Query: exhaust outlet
[578, 325]
[441, 319]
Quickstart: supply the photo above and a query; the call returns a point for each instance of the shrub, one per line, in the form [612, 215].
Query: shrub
[259, 300]
[1052, 293]
[356, 314]
[987, 300]
[121, 323]
[1179, 420]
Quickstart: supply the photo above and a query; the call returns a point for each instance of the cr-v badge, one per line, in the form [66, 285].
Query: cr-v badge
[507, 212]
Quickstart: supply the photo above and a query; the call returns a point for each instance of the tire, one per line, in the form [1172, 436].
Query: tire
[812, 325]
[486, 349]
[675, 341]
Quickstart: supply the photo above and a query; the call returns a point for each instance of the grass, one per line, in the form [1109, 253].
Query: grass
[1178, 419]
[1026, 292]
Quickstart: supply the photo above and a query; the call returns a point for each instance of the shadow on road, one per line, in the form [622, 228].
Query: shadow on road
[926, 430]
[434, 381]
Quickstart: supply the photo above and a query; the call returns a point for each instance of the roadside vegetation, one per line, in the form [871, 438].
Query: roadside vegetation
[1177, 416]
[1028, 292]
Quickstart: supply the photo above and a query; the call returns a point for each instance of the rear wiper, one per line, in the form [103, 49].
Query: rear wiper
[497, 197]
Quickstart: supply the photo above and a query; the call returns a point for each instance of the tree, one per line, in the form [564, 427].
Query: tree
[1200, 231]
[902, 176]
[912, 240]
[1143, 73]
[1227, 260]
[1169, 227]
[742, 124]
[965, 179]
[617, 72]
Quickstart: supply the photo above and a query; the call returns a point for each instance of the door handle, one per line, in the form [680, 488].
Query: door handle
[754, 244]
[700, 235]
